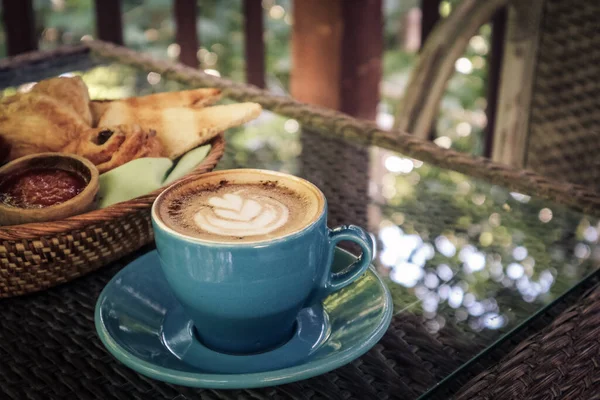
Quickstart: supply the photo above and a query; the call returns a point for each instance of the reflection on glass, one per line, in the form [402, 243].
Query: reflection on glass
[476, 254]
[452, 248]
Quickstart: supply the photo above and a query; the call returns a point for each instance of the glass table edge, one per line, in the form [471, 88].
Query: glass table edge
[577, 288]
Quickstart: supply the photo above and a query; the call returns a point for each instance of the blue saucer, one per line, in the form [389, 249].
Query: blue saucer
[312, 330]
[141, 323]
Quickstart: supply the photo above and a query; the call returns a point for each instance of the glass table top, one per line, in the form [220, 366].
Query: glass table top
[465, 260]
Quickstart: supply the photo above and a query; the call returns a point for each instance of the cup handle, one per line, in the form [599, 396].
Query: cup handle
[338, 280]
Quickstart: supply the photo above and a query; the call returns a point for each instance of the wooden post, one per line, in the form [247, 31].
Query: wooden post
[336, 57]
[511, 125]
[430, 15]
[186, 34]
[316, 52]
[494, 68]
[109, 21]
[336, 51]
[19, 25]
[254, 43]
[362, 50]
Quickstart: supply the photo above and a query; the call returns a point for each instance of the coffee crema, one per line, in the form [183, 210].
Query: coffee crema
[227, 211]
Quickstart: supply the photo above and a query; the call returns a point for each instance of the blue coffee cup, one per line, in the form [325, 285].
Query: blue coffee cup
[244, 297]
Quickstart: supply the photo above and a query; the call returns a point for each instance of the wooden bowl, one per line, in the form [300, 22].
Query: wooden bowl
[79, 204]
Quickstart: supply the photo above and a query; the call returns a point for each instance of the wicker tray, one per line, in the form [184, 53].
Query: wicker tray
[37, 256]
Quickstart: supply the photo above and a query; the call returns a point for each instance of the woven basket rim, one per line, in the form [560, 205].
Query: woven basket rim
[38, 229]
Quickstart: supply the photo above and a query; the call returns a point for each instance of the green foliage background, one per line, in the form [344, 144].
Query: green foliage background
[149, 27]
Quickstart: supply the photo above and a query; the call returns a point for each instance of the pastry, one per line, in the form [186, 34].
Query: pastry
[180, 129]
[58, 116]
[71, 92]
[196, 98]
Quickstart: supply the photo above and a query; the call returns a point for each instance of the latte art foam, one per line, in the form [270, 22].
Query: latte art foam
[226, 211]
[242, 213]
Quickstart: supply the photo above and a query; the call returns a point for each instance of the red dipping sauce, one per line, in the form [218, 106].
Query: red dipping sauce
[40, 187]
